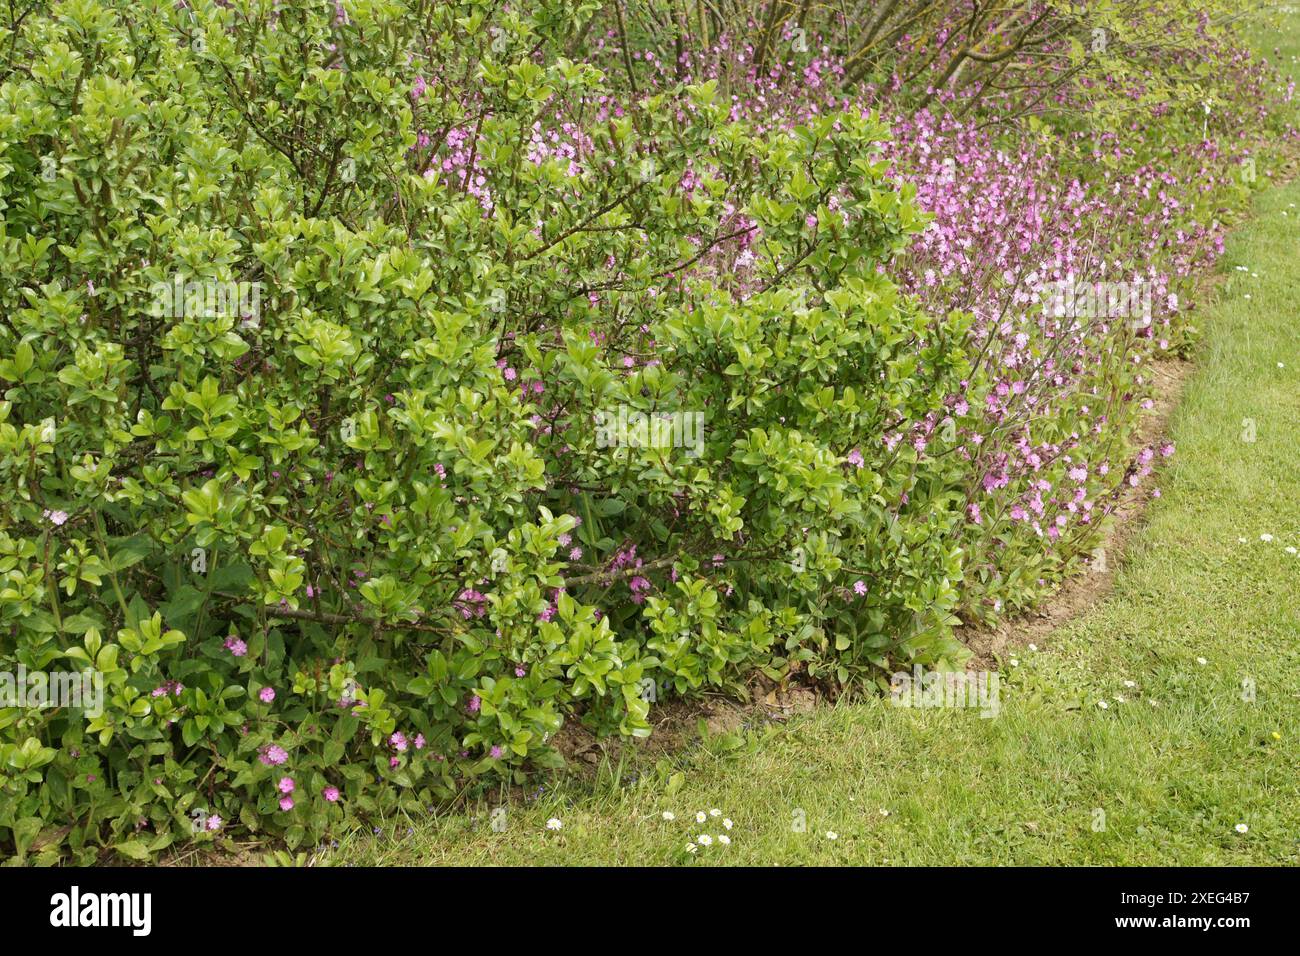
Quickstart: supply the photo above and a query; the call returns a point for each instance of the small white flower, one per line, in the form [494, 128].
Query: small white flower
[832, 835]
[1119, 699]
[690, 848]
[1247, 296]
[669, 815]
[1241, 541]
[724, 839]
[555, 823]
[884, 812]
[1241, 828]
[701, 817]
[1033, 647]
[715, 812]
[727, 823]
[1014, 662]
[704, 839]
[1130, 683]
[1103, 705]
[1281, 365]
[1266, 538]
[1201, 660]
[1290, 549]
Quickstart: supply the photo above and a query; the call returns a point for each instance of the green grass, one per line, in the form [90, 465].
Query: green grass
[1175, 766]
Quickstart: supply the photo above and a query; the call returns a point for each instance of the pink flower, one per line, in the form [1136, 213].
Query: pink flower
[398, 740]
[419, 741]
[474, 704]
[286, 785]
[286, 803]
[471, 603]
[55, 517]
[859, 587]
[273, 755]
[496, 753]
[331, 794]
[855, 458]
[266, 695]
[236, 646]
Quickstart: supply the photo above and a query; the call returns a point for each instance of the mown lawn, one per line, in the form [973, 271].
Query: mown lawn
[1196, 654]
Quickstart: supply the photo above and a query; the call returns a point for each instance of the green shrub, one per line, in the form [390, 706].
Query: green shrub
[304, 439]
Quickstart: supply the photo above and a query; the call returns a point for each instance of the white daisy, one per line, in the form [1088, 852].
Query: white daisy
[724, 839]
[555, 823]
[701, 817]
[1033, 647]
[727, 823]
[1201, 660]
[1241, 828]
[704, 839]
[715, 812]
[1014, 662]
[669, 815]
[884, 812]
[1103, 705]
[832, 835]
[1130, 683]
[690, 848]
[1266, 538]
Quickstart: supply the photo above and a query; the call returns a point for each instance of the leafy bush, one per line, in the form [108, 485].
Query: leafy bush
[309, 341]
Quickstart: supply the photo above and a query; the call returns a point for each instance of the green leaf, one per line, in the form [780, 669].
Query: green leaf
[136, 850]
